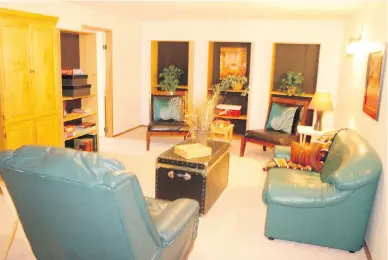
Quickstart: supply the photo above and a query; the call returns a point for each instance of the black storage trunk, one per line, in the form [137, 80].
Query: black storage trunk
[202, 179]
[75, 91]
[74, 80]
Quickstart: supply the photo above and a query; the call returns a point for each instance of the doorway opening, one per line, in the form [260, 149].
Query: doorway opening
[104, 78]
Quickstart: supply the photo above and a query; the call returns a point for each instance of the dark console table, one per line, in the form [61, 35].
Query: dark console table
[202, 179]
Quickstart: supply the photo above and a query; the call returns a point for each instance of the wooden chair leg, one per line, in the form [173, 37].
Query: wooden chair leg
[264, 148]
[242, 146]
[148, 140]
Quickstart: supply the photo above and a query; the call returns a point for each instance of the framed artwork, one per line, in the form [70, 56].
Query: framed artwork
[233, 61]
[374, 83]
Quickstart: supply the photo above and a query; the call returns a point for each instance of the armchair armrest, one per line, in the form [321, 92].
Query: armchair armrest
[295, 188]
[173, 220]
[281, 151]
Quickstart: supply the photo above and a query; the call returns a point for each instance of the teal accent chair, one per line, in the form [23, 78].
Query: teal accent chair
[78, 205]
[330, 209]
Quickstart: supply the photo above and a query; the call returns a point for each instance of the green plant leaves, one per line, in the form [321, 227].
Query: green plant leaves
[229, 81]
[292, 79]
[170, 77]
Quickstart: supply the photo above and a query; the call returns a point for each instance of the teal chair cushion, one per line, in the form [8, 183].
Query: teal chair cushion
[168, 108]
[281, 118]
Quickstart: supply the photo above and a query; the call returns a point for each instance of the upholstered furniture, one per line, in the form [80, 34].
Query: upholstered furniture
[269, 137]
[167, 115]
[330, 209]
[79, 205]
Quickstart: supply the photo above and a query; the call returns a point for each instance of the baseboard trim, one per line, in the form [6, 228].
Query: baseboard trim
[367, 252]
[129, 130]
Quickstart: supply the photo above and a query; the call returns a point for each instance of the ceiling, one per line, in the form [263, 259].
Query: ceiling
[215, 10]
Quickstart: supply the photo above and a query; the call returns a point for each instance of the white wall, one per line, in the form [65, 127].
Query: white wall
[371, 19]
[126, 52]
[262, 34]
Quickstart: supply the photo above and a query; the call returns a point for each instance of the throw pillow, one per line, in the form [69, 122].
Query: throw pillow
[285, 163]
[168, 108]
[326, 140]
[281, 118]
[308, 156]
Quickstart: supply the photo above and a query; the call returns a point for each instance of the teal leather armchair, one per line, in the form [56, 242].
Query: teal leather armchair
[330, 209]
[78, 205]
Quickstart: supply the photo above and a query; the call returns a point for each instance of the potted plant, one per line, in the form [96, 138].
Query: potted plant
[234, 82]
[291, 83]
[170, 76]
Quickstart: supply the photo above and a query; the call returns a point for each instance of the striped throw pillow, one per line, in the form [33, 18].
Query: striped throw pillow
[308, 156]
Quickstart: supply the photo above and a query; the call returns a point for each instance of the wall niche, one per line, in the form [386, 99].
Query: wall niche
[297, 58]
[166, 53]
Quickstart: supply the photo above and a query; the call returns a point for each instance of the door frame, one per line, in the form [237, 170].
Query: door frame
[109, 77]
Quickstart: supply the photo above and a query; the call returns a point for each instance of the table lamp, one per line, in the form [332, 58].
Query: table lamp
[321, 102]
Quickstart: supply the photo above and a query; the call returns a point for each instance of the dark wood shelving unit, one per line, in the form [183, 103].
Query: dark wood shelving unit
[232, 97]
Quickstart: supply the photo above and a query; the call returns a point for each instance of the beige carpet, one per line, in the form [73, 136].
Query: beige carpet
[233, 228]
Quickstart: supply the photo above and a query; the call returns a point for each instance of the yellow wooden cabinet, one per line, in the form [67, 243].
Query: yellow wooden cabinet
[28, 69]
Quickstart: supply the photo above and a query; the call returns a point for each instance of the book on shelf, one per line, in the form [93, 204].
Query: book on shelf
[94, 137]
[80, 111]
[73, 72]
[85, 126]
[84, 144]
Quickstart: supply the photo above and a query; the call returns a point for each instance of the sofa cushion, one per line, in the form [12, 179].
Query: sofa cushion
[352, 162]
[168, 126]
[295, 188]
[274, 137]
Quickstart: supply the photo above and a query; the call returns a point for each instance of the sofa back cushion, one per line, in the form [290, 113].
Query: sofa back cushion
[351, 162]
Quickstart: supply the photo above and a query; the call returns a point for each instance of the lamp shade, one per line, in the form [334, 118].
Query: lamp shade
[321, 101]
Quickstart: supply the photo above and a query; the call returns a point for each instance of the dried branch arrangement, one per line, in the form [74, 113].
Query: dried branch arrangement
[203, 114]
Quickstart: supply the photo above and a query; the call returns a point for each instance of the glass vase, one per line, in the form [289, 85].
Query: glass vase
[201, 137]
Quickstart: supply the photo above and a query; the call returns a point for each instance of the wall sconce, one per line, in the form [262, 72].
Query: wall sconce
[354, 46]
[358, 46]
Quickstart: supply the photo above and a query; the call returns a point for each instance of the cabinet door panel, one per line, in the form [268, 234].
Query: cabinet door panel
[48, 131]
[43, 67]
[19, 134]
[15, 75]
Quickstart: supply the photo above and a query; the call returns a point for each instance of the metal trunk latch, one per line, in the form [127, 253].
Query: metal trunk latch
[185, 176]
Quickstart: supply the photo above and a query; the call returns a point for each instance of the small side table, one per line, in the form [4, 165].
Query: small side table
[304, 131]
[226, 131]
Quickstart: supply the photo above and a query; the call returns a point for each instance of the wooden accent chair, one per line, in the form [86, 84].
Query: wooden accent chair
[271, 138]
[158, 126]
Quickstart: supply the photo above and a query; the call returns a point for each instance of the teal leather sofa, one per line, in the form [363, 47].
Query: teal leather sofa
[330, 209]
[77, 205]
